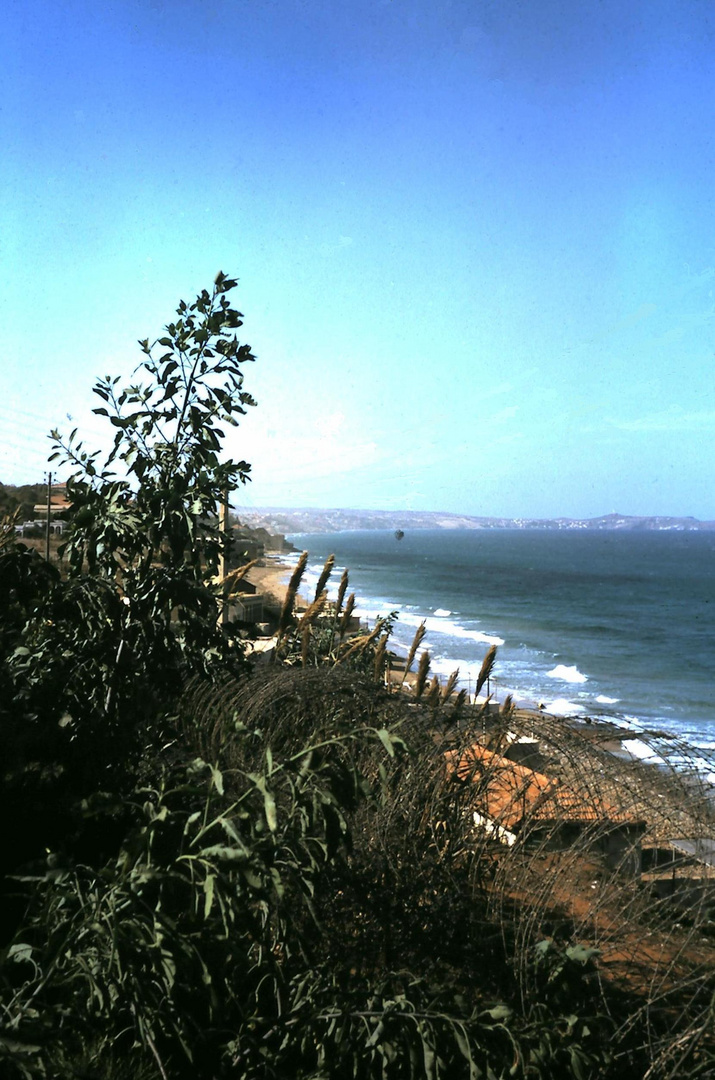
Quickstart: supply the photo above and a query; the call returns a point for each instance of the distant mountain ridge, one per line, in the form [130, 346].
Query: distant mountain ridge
[308, 520]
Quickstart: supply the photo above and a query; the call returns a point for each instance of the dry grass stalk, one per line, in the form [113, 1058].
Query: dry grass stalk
[342, 589]
[450, 685]
[234, 576]
[486, 669]
[644, 942]
[303, 628]
[338, 605]
[360, 643]
[433, 694]
[313, 611]
[304, 645]
[419, 634]
[345, 621]
[460, 701]
[7, 528]
[380, 655]
[422, 669]
[324, 575]
[507, 706]
[295, 580]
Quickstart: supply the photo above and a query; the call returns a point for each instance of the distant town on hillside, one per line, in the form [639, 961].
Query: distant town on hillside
[29, 502]
[308, 520]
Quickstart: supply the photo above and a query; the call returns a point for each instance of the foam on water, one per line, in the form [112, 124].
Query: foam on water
[370, 608]
[638, 749]
[443, 634]
[445, 665]
[448, 627]
[567, 674]
[563, 707]
[558, 605]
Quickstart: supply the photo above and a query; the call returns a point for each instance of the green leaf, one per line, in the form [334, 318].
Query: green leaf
[500, 1013]
[270, 809]
[20, 952]
[386, 741]
[581, 953]
[209, 883]
[217, 779]
[252, 878]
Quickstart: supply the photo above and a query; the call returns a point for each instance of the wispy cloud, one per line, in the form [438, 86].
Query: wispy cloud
[674, 419]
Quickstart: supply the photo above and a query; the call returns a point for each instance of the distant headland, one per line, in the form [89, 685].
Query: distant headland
[309, 520]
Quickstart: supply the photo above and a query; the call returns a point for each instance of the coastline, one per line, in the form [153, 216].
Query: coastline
[614, 626]
[612, 733]
[271, 578]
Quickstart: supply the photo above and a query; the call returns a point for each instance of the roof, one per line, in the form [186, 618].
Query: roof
[513, 795]
[59, 503]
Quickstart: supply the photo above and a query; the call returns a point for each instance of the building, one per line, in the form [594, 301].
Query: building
[59, 503]
[514, 803]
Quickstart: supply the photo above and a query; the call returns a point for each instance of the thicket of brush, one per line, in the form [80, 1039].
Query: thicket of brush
[223, 871]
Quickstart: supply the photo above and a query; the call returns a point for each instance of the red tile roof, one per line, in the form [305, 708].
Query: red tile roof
[509, 794]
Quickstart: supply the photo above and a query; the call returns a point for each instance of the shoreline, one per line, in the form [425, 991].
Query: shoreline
[637, 731]
[273, 577]
[572, 652]
[269, 578]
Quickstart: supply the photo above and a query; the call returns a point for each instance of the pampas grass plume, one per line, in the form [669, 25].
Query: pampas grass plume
[344, 622]
[380, 655]
[313, 611]
[342, 589]
[419, 634]
[324, 575]
[234, 576]
[433, 692]
[422, 669]
[486, 669]
[460, 701]
[295, 580]
[450, 685]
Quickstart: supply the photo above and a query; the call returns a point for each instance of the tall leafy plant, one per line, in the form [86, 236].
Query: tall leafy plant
[168, 432]
[91, 660]
[148, 516]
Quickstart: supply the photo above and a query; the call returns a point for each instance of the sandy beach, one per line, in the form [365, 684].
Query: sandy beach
[272, 578]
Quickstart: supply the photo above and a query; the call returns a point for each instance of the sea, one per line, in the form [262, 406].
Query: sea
[618, 625]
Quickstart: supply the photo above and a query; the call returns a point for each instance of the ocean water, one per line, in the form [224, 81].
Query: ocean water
[602, 624]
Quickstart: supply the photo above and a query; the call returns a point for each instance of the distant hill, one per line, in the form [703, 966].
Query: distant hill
[279, 520]
[22, 498]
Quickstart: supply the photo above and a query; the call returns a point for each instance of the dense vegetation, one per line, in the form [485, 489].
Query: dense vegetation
[21, 500]
[220, 870]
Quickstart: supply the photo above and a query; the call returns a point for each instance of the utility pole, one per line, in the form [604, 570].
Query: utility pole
[223, 562]
[47, 526]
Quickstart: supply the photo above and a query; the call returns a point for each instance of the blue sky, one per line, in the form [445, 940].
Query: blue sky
[475, 240]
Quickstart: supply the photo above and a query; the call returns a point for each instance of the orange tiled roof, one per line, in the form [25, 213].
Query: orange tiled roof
[58, 501]
[510, 794]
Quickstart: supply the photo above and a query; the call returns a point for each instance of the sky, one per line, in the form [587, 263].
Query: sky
[475, 239]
